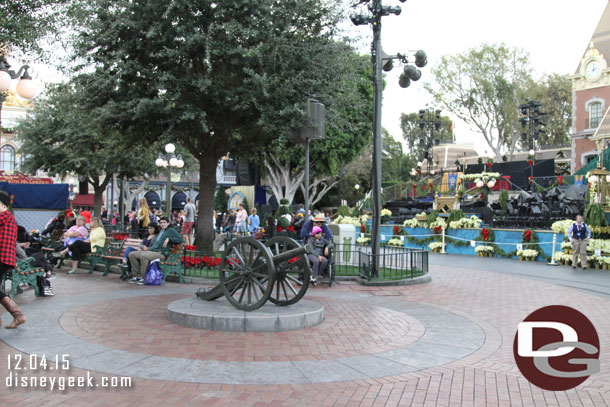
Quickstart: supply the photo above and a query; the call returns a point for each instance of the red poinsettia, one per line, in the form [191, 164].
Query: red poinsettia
[362, 228]
[290, 229]
[485, 234]
[530, 162]
[559, 179]
[425, 186]
[396, 230]
[489, 165]
[530, 178]
[482, 196]
[431, 185]
[414, 187]
[527, 235]
[437, 230]
[279, 229]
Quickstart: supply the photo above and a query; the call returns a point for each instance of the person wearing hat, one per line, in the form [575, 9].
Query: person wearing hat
[319, 221]
[8, 247]
[140, 259]
[318, 252]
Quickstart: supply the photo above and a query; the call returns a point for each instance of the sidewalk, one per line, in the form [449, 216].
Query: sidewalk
[445, 343]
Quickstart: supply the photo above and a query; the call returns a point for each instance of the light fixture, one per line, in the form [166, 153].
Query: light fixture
[480, 184]
[75, 190]
[179, 162]
[25, 87]
[356, 187]
[593, 178]
[173, 162]
[532, 153]
[491, 183]
[159, 161]
[170, 148]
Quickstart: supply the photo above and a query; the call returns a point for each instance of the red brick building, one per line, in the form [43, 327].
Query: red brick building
[591, 96]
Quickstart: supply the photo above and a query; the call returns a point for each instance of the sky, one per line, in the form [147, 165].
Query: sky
[554, 32]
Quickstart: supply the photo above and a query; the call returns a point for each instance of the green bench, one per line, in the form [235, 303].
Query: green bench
[173, 263]
[23, 273]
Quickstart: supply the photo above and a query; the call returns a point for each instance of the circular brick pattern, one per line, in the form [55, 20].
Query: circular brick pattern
[140, 325]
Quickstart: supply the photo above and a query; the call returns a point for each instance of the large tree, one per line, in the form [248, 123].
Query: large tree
[416, 137]
[66, 134]
[555, 93]
[484, 87]
[395, 163]
[216, 77]
[349, 105]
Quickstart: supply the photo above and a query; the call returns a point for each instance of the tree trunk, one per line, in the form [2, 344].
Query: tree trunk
[204, 235]
[97, 200]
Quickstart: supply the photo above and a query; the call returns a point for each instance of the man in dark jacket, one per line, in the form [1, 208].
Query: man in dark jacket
[319, 221]
[160, 250]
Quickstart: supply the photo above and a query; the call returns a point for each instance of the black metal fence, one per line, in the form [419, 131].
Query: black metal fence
[395, 263]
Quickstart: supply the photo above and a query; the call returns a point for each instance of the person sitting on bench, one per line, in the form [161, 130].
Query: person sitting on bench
[140, 259]
[319, 253]
[79, 247]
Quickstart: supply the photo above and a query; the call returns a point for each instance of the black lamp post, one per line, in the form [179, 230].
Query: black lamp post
[429, 122]
[377, 10]
[531, 123]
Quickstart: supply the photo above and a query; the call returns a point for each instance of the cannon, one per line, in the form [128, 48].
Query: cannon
[252, 273]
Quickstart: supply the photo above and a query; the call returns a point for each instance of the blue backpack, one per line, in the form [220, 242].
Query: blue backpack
[154, 275]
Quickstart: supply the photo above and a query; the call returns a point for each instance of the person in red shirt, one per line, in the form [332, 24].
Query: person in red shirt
[8, 244]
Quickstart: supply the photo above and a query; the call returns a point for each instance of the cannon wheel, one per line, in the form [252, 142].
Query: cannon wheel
[247, 273]
[291, 276]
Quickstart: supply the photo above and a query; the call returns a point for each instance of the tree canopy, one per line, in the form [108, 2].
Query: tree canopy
[215, 77]
[65, 134]
[484, 87]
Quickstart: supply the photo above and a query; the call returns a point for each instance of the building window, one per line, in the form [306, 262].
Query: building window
[590, 158]
[595, 114]
[7, 158]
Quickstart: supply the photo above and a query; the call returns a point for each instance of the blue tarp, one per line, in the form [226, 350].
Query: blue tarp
[37, 196]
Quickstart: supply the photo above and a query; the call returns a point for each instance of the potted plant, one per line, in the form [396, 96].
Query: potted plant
[484, 251]
[435, 247]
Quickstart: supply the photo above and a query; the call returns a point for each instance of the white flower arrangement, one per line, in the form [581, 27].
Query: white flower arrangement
[562, 226]
[395, 241]
[566, 245]
[435, 246]
[414, 223]
[386, 212]
[439, 222]
[603, 245]
[347, 220]
[466, 223]
[364, 219]
[485, 176]
[484, 249]
[363, 240]
[527, 253]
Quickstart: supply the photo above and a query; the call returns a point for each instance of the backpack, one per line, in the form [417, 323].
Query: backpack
[154, 275]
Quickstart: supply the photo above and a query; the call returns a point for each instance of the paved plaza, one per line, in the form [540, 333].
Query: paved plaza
[445, 343]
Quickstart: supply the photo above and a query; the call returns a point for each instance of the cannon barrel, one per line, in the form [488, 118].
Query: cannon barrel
[289, 254]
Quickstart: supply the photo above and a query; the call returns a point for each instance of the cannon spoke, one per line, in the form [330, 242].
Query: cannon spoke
[234, 290]
[287, 282]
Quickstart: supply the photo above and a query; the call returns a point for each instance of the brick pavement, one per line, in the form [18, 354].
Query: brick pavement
[487, 377]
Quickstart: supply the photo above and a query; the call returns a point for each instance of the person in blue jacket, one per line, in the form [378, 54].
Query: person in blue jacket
[320, 221]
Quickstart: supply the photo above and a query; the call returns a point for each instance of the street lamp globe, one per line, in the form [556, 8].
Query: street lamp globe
[75, 190]
[179, 162]
[173, 162]
[480, 184]
[356, 187]
[165, 163]
[170, 148]
[5, 80]
[159, 161]
[491, 183]
[532, 152]
[26, 88]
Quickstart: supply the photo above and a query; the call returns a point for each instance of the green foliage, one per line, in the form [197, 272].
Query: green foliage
[283, 210]
[65, 135]
[284, 201]
[343, 210]
[355, 212]
[595, 216]
[24, 22]
[217, 77]
[432, 216]
[454, 215]
[221, 199]
[503, 199]
[246, 205]
[282, 222]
